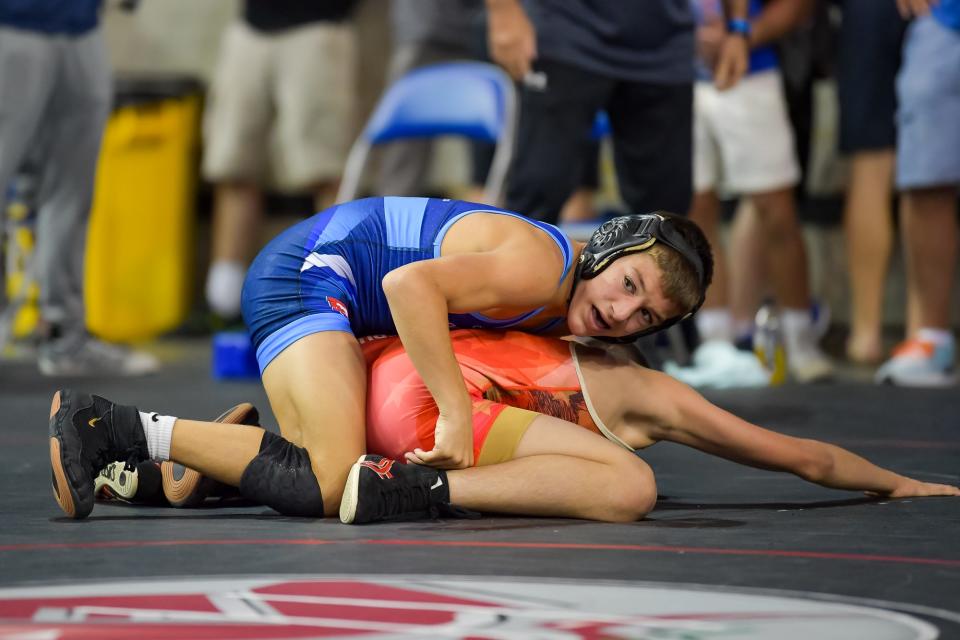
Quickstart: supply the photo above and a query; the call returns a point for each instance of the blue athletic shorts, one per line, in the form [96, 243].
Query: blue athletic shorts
[928, 120]
[285, 297]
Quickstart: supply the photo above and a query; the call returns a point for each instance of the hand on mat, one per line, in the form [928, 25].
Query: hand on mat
[452, 446]
[911, 488]
[913, 8]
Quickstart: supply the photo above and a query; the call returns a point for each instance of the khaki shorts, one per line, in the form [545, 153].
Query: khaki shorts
[742, 139]
[280, 107]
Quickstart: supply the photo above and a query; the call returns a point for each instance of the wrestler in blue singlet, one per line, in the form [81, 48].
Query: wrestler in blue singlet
[325, 273]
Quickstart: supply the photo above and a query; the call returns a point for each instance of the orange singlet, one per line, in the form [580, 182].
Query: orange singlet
[512, 377]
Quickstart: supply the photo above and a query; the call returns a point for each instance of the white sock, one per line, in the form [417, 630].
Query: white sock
[938, 337]
[797, 329]
[714, 324]
[159, 432]
[224, 286]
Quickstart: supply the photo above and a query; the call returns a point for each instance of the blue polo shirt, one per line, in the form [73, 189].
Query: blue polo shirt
[65, 17]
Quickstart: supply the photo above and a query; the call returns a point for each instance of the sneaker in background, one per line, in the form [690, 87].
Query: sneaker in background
[718, 364]
[807, 363]
[820, 318]
[920, 363]
[87, 356]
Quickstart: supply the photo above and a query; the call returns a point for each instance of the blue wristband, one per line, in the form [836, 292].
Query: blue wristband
[739, 26]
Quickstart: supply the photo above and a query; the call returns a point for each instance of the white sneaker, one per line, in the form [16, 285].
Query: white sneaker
[801, 337]
[918, 363]
[88, 356]
[808, 363]
[717, 364]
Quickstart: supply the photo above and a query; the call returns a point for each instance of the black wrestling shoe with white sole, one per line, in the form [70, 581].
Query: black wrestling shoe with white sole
[87, 433]
[185, 487]
[379, 489]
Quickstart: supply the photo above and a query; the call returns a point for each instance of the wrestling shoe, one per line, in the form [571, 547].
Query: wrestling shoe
[140, 485]
[185, 487]
[919, 363]
[379, 489]
[87, 433]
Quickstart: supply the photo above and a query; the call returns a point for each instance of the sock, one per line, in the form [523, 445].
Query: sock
[224, 285]
[938, 337]
[797, 327]
[714, 324]
[159, 432]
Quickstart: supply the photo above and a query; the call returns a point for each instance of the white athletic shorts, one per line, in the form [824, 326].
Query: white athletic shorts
[280, 108]
[742, 139]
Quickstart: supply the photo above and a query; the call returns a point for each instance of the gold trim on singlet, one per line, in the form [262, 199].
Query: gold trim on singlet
[504, 435]
[610, 435]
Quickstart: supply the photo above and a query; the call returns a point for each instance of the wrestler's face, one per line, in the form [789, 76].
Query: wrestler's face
[625, 298]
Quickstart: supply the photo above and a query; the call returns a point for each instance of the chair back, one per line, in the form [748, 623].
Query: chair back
[474, 100]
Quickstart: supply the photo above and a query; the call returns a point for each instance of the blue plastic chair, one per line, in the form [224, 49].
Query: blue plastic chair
[474, 100]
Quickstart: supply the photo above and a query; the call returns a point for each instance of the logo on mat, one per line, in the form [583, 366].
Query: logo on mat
[287, 608]
[338, 306]
[382, 468]
[93, 421]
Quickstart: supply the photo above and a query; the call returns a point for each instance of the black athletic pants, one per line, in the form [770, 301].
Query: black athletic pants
[651, 131]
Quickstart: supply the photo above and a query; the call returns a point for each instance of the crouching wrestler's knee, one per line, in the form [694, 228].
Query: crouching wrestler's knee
[636, 492]
[280, 477]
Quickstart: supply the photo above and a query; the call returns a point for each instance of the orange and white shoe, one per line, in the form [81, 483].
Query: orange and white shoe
[920, 363]
[185, 487]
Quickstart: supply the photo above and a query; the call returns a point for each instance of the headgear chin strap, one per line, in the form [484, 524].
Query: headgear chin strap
[629, 234]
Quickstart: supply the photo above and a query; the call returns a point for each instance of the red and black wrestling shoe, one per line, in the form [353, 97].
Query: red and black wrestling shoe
[379, 489]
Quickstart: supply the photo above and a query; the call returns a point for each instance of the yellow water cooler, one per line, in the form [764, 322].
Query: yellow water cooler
[141, 242]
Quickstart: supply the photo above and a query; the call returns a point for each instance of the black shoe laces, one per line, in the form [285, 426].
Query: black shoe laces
[401, 501]
[108, 451]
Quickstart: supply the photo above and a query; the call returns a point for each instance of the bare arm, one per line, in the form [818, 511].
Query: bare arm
[732, 59]
[914, 8]
[688, 418]
[778, 19]
[511, 37]
[421, 294]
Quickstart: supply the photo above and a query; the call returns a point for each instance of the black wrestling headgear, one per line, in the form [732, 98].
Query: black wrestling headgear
[628, 234]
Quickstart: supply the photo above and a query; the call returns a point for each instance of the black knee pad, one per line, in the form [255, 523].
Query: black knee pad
[281, 478]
